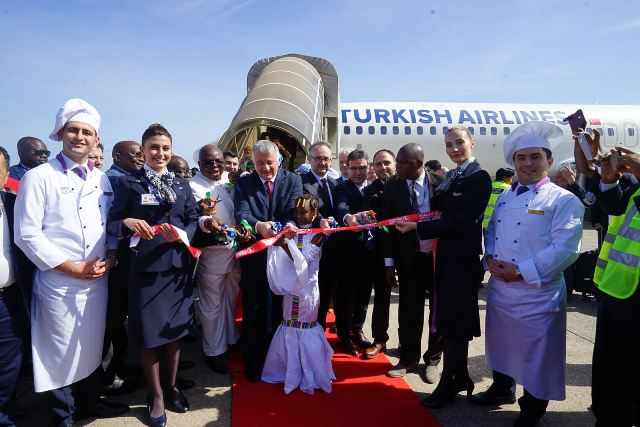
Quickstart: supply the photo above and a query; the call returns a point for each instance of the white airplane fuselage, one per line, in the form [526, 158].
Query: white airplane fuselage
[376, 125]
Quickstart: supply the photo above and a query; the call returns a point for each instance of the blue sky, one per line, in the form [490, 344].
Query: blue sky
[184, 63]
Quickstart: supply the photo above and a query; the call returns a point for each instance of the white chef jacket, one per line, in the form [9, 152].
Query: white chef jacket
[60, 217]
[540, 231]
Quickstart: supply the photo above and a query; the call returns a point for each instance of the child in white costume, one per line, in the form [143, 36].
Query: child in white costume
[299, 354]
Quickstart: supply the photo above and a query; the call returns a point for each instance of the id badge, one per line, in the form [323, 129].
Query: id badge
[149, 200]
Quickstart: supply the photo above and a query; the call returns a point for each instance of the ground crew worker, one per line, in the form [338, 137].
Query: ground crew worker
[504, 179]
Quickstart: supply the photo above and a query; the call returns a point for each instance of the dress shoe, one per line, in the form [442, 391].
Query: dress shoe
[465, 384]
[218, 364]
[373, 351]
[186, 364]
[524, 421]
[400, 370]
[118, 387]
[160, 421]
[347, 347]
[102, 409]
[252, 372]
[361, 339]
[430, 374]
[441, 396]
[180, 403]
[493, 397]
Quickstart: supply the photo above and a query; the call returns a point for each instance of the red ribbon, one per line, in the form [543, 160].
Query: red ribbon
[263, 244]
[156, 230]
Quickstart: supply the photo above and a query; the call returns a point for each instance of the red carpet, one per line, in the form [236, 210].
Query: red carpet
[362, 395]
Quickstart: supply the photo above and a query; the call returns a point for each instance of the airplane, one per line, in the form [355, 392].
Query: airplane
[295, 98]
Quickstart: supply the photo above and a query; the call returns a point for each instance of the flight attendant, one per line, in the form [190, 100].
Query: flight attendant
[461, 199]
[160, 292]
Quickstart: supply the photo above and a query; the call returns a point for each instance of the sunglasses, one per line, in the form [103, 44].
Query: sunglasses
[358, 168]
[213, 162]
[40, 153]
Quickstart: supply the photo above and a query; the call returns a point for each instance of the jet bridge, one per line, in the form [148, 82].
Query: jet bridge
[292, 97]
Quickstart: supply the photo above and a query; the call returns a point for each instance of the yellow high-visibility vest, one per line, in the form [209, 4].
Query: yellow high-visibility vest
[618, 266]
[497, 188]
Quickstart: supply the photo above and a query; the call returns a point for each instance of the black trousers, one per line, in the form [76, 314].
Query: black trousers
[261, 314]
[616, 369]
[65, 401]
[381, 299]
[530, 406]
[415, 279]
[352, 296]
[327, 279]
[11, 334]
[115, 333]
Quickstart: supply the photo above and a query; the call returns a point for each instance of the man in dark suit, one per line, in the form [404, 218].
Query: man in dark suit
[32, 153]
[384, 164]
[354, 285]
[262, 199]
[15, 288]
[411, 193]
[320, 184]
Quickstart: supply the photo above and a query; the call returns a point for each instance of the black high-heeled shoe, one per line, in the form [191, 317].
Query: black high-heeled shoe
[181, 404]
[160, 421]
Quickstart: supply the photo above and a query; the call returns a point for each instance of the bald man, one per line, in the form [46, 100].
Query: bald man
[218, 272]
[413, 259]
[32, 153]
[127, 160]
[180, 167]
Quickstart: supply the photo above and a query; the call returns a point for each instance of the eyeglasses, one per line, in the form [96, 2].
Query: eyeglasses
[358, 168]
[321, 159]
[213, 162]
[40, 153]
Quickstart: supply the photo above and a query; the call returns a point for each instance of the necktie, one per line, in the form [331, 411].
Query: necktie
[269, 185]
[522, 189]
[414, 198]
[325, 192]
[81, 172]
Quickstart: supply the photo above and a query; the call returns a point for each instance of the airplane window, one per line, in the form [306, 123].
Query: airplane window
[445, 130]
[407, 130]
[359, 130]
[494, 130]
[471, 130]
[507, 131]
[383, 130]
[372, 130]
[483, 130]
[419, 130]
[347, 130]
[610, 132]
[589, 130]
[432, 130]
[395, 130]
[631, 131]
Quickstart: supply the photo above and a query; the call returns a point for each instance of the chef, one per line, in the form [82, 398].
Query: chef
[60, 222]
[533, 235]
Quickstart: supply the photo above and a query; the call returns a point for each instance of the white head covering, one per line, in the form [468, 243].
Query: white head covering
[529, 135]
[76, 110]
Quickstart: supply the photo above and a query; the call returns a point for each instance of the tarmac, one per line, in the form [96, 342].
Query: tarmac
[211, 399]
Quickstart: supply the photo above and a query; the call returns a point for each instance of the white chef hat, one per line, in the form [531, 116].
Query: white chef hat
[531, 134]
[76, 110]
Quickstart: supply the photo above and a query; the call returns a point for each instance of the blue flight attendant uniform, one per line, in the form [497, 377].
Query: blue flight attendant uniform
[160, 288]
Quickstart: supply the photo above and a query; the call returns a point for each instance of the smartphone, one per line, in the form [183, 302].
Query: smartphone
[578, 123]
[615, 159]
